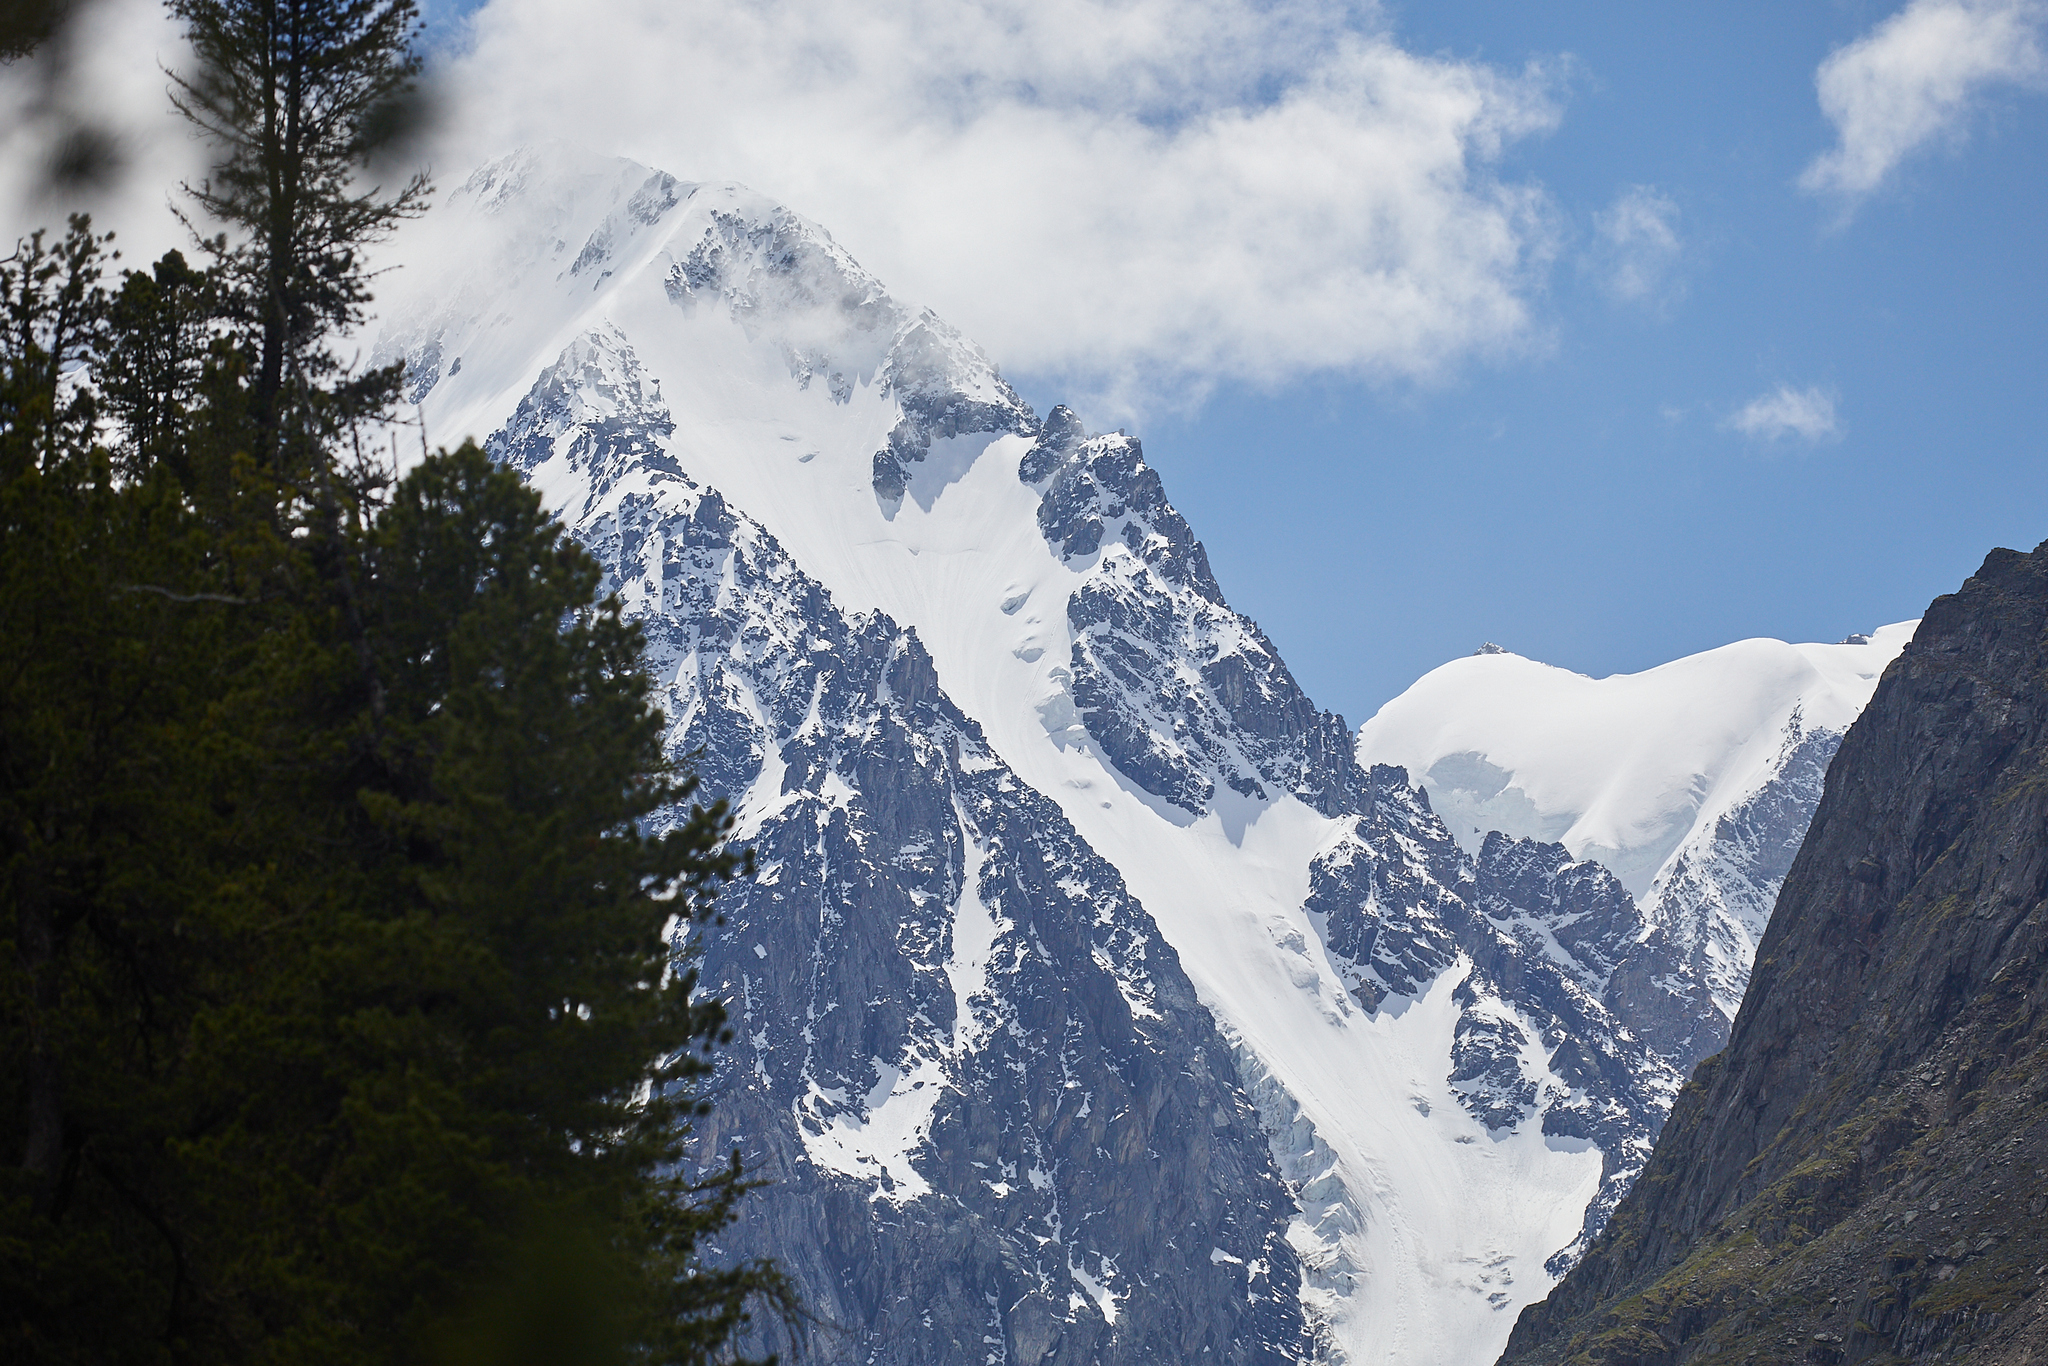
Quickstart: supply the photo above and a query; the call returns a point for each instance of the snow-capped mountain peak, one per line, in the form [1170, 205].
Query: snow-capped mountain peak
[1621, 768]
[1692, 781]
[1094, 1000]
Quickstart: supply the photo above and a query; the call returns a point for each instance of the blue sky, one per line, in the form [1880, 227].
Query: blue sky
[1588, 505]
[1549, 453]
[1607, 332]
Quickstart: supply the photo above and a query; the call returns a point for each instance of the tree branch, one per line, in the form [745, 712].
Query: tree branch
[185, 597]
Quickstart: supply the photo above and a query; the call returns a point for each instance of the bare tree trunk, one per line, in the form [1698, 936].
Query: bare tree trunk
[36, 941]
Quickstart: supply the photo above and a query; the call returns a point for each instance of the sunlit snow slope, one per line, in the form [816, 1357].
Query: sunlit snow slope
[1693, 781]
[1429, 1036]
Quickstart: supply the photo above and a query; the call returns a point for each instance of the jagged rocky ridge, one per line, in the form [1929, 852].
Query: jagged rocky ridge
[1713, 898]
[953, 1020]
[1182, 693]
[949, 1012]
[1863, 1173]
[1179, 691]
[1693, 781]
[1094, 1001]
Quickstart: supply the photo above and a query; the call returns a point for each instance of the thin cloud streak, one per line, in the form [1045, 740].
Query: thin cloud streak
[1638, 246]
[1807, 413]
[1915, 79]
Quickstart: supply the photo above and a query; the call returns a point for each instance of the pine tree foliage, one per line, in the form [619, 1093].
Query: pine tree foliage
[160, 341]
[116, 637]
[54, 315]
[296, 96]
[349, 900]
[26, 25]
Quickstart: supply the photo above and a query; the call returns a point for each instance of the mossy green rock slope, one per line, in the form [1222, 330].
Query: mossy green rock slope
[1862, 1174]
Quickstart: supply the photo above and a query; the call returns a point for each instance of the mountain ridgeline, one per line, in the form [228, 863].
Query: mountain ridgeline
[1862, 1174]
[1693, 782]
[1093, 1001]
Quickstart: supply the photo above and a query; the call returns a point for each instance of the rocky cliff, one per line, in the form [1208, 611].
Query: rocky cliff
[1093, 1002]
[1692, 782]
[1862, 1174]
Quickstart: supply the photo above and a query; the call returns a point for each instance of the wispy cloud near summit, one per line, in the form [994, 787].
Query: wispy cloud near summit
[1141, 197]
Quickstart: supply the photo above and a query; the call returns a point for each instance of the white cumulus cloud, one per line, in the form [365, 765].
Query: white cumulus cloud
[1139, 197]
[1808, 413]
[1915, 78]
[1638, 245]
[1133, 198]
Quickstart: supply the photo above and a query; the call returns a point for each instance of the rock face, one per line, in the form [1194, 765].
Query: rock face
[1179, 691]
[1712, 897]
[1863, 1173]
[965, 1058]
[1093, 1001]
[987, 1100]
[1693, 782]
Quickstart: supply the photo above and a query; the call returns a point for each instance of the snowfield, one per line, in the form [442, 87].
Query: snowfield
[1621, 769]
[1693, 781]
[883, 453]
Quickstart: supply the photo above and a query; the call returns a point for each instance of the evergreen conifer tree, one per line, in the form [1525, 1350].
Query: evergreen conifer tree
[345, 992]
[296, 96]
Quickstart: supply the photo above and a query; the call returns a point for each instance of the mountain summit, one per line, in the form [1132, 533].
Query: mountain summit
[1858, 1176]
[1693, 782]
[1094, 1000]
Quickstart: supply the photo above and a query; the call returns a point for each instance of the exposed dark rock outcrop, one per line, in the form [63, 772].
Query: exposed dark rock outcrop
[1177, 688]
[998, 1122]
[994, 1119]
[1863, 1173]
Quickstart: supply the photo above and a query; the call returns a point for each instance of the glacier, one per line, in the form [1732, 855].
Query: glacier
[1693, 781]
[1098, 996]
